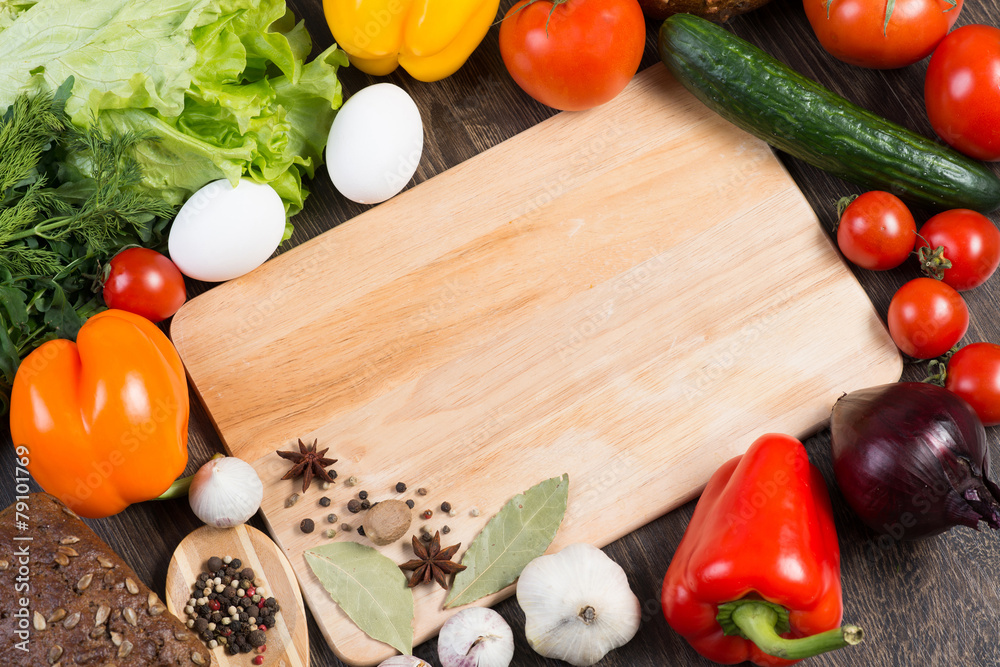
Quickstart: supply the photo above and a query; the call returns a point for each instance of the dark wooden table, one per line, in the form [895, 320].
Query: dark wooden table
[931, 603]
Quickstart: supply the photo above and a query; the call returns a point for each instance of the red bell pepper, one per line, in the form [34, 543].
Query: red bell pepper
[757, 574]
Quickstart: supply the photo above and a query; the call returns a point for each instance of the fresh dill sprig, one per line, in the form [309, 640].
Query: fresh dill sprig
[57, 236]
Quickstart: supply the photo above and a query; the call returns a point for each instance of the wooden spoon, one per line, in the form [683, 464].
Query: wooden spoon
[288, 640]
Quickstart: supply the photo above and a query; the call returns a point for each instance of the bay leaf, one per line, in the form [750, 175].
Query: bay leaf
[521, 531]
[370, 588]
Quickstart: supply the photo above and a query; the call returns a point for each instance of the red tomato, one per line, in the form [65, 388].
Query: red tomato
[974, 374]
[876, 231]
[575, 54]
[962, 91]
[968, 240]
[146, 283]
[856, 32]
[927, 317]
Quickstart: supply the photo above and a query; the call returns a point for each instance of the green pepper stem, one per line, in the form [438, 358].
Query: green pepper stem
[182, 485]
[757, 622]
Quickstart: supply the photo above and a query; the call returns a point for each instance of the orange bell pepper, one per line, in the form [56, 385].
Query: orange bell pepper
[104, 419]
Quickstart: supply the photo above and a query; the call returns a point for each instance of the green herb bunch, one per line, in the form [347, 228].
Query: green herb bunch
[61, 221]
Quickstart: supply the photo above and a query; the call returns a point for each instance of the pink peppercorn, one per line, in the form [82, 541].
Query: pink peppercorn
[259, 660]
[251, 591]
[214, 605]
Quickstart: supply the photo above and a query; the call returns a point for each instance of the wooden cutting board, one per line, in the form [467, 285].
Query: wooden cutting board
[629, 295]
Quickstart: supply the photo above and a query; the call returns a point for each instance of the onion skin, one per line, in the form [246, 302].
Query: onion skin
[911, 460]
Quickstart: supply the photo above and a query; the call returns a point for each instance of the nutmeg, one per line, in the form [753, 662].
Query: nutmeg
[387, 521]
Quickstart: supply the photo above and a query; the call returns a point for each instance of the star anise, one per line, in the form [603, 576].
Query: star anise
[432, 562]
[308, 464]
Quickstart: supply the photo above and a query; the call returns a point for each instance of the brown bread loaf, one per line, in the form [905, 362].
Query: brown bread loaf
[67, 599]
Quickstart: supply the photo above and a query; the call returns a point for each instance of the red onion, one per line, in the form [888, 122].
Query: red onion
[911, 460]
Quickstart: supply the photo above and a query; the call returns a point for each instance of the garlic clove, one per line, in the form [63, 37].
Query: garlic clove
[577, 605]
[475, 637]
[403, 661]
[225, 492]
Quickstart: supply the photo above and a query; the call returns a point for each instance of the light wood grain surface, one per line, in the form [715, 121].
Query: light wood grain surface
[581, 298]
[930, 603]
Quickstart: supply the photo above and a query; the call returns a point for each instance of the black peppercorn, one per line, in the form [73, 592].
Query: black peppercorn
[446, 506]
[236, 564]
[365, 504]
[354, 506]
[324, 501]
[247, 574]
[331, 518]
[400, 487]
[410, 504]
[362, 494]
[214, 563]
[361, 531]
[256, 638]
[307, 525]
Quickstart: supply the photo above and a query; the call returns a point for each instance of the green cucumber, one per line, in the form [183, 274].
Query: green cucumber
[765, 97]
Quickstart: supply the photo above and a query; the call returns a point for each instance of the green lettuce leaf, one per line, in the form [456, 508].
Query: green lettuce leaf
[223, 84]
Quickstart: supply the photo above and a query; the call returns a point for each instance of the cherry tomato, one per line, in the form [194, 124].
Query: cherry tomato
[974, 374]
[144, 282]
[856, 31]
[876, 231]
[968, 240]
[927, 318]
[574, 54]
[962, 91]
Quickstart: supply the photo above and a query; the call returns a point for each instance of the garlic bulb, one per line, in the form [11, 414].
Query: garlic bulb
[225, 492]
[577, 605]
[403, 661]
[475, 637]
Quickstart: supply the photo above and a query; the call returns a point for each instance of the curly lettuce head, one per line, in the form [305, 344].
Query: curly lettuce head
[223, 84]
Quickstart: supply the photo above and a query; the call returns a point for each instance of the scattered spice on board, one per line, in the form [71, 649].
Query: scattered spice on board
[309, 463]
[387, 521]
[307, 525]
[332, 518]
[432, 563]
[325, 501]
[421, 491]
[291, 500]
[400, 487]
[354, 506]
[229, 607]
[446, 506]
[426, 514]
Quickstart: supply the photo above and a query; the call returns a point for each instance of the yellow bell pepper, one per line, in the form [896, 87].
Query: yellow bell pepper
[431, 39]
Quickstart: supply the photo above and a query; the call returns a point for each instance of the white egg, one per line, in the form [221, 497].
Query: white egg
[222, 232]
[375, 144]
